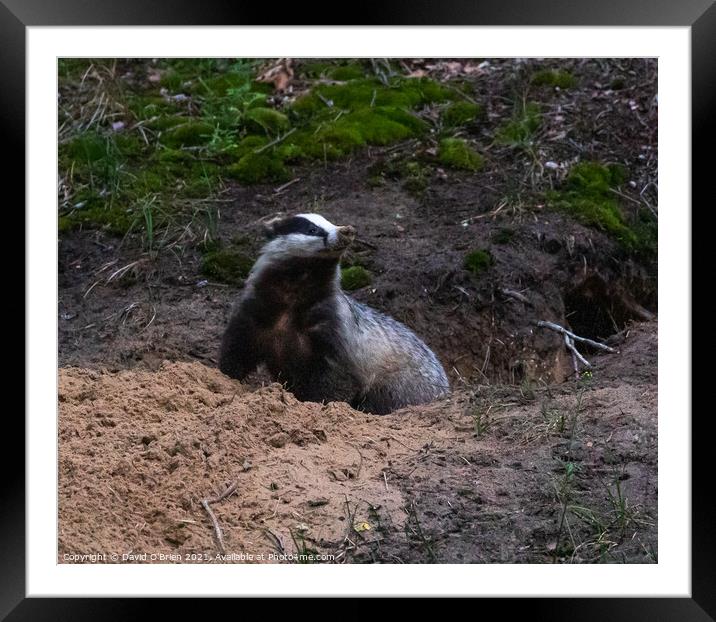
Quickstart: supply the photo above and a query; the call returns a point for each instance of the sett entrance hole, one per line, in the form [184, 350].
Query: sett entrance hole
[597, 310]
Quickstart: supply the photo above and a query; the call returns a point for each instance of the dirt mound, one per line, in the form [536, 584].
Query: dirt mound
[490, 474]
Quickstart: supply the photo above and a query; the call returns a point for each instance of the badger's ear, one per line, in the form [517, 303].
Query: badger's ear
[268, 227]
[268, 230]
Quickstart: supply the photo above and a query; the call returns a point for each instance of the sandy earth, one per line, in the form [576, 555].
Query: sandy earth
[139, 450]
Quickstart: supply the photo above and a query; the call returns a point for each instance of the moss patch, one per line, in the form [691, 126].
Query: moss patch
[456, 153]
[203, 121]
[461, 113]
[503, 235]
[365, 93]
[188, 134]
[255, 168]
[478, 261]
[554, 77]
[226, 264]
[587, 195]
[355, 277]
[352, 71]
[267, 119]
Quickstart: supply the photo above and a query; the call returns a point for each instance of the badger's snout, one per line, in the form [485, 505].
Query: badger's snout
[344, 236]
[347, 233]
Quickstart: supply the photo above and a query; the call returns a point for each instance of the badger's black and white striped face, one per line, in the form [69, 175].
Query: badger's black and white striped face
[305, 235]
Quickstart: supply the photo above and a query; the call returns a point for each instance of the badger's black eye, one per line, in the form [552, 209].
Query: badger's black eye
[313, 230]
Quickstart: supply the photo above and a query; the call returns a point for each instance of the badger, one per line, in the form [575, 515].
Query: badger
[294, 318]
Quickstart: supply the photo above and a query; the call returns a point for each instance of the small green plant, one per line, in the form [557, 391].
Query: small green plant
[554, 78]
[481, 421]
[456, 153]
[554, 418]
[478, 261]
[355, 277]
[624, 514]
[520, 131]
[149, 224]
[503, 235]
[416, 178]
[306, 554]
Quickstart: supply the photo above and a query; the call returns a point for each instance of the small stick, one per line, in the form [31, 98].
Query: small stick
[385, 479]
[564, 331]
[328, 102]
[206, 503]
[575, 353]
[511, 293]
[286, 185]
[275, 141]
[570, 346]
[362, 242]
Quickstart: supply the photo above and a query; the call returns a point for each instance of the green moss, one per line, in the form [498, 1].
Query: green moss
[98, 215]
[173, 155]
[172, 80]
[461, 113]
[164, 122]
[593, 178]
[617, 84]
[289, 152]
[222, 84]
[90, 147]
[554, 77]
[478, 261]
[379, 125]
[587, 195]
[405, 93]
[520, 130]
[310, 69]
[456, 153]
[271, 121]
[189, 134]
[226, 264]
[351, 71]
[503, 235]
[246, 145]
[256, 168]
[355, 277]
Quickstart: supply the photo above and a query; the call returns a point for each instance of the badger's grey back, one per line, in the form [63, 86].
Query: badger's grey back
[394, 365]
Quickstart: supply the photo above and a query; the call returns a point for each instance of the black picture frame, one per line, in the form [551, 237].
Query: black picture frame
[700, 15]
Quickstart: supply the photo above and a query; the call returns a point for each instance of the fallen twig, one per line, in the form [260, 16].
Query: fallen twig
[207, 506]
[275, 141]
[564, 331]
[510, 293]
[569, 339]
[286, 185]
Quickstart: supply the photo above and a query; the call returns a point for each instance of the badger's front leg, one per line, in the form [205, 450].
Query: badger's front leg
[239, 354]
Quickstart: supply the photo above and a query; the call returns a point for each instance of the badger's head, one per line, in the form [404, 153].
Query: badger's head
[305, 235]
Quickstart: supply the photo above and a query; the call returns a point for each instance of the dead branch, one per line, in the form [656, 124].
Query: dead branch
[275, 141]
[510, 293]
[564, 331]
[569, 339]
[207, 506]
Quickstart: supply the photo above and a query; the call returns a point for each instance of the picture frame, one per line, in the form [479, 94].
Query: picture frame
[16, 16]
